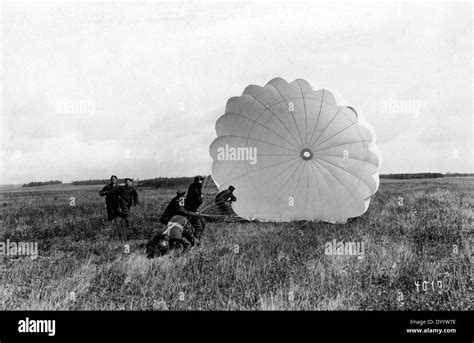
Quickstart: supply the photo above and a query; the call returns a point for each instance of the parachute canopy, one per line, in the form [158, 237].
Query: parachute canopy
[293, 154]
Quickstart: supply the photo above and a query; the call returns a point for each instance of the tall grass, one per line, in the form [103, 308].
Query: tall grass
[84, 263]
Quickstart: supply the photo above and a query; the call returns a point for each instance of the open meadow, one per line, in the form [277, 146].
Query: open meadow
[416, 255]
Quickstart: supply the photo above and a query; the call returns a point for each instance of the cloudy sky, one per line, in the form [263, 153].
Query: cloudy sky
[90, 90]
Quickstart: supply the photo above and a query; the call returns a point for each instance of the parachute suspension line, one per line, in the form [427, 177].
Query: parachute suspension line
[206, 192]
[209, 192]
[210, 215]
[210, 207]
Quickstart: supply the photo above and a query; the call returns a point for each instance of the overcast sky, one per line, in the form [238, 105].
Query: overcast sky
[91, 90]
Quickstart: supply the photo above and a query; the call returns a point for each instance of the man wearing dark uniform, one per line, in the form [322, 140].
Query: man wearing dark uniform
[111, 198]
[192, 202]
[128, 197]
[224, 200]
[176, 208]
[194, 196]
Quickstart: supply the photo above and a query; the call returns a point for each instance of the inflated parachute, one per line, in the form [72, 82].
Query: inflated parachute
[293, 154]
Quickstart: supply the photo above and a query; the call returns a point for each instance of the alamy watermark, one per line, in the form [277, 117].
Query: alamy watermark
[229, 153]
[345, 248]
[85, 106]
[37, 326]
[398, 106]
[9, 248]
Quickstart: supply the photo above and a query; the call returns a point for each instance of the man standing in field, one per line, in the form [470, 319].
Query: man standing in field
[111, 198]
[128, 197]
[194, 196]
[192, 202]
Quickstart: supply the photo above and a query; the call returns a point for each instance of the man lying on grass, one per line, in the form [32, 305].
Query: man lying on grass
[176, 208]
[178, 235]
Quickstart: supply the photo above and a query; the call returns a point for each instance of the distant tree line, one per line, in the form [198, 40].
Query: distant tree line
[167, 182]
[411, 176]
[458, 174]
[95, 182]
[42, 183]
[159, 182]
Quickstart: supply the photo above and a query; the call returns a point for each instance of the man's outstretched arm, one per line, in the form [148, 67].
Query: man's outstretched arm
[185, 212]
[104, 191]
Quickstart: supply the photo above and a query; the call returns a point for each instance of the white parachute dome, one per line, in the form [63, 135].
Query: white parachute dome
[292, 153]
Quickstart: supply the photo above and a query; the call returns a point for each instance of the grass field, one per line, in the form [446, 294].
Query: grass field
[84, 263]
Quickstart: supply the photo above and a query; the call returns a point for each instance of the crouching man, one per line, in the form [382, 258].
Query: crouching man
[178, 235]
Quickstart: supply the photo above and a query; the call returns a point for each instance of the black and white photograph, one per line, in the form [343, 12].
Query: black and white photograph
[237, 156]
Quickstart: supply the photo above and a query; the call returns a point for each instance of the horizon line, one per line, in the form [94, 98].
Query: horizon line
[176, 177]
